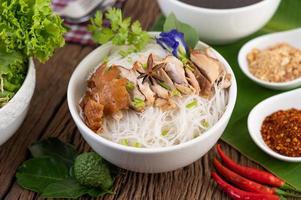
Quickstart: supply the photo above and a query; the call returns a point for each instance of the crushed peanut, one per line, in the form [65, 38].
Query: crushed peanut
[280, 63]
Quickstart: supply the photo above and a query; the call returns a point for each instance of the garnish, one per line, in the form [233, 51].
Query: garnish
[254, 173]
[175, 92]
[124, 142]
[205, 123]
[192, 104]
[173, 41]
[137, 145]
[150, 69]
[130, 85]
[27, 29]
[164, 85]
[92, 171]
[138, 103]
[12, 74]
[58, 171]
[191, 36]
[30, 27]
[121, 32]
[248, 180]
[164, 133]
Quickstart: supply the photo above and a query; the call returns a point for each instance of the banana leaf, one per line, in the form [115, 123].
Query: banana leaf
[288, 16]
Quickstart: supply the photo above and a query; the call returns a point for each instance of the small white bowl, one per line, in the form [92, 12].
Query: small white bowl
[222, 26]
[148, 160]
[13, 113]
[291, 37]
[265, 108]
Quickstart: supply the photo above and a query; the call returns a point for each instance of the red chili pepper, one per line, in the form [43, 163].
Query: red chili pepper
[238, 194]
[246, 184]
[254, 174]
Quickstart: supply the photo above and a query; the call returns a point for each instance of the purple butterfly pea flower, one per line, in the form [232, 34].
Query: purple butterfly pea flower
[174, 42]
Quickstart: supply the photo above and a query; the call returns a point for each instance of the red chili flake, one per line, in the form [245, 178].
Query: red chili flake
[281, 131]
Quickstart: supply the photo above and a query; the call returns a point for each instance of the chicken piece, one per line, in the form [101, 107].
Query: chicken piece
[118, 115]
[146, 91]
[109, 89]
[134, 91]
[165, 104]
[175, 70]
[226, 81]
[185, 89]
[93, 112]
[162, 75]
[205, 85]
[160, 91]
[192, 80]
[209, 66]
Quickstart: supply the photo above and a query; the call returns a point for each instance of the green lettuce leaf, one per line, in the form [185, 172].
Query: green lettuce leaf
[31, 27]
[13, 69]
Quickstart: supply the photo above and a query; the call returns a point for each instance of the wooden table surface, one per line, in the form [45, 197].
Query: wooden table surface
[49, 116]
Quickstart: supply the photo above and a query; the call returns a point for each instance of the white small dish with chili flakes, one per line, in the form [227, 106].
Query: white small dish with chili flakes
[265, 108]
[291, 38]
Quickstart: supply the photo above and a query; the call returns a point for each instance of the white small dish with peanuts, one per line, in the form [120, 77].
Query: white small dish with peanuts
[290, 39]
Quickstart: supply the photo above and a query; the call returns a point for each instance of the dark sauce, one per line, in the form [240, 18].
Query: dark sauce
[220, 4]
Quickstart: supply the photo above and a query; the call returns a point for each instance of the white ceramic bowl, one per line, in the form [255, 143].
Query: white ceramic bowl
[221, 26]
[265, 108]
[14, 112]
[291, 37]
[143, 159]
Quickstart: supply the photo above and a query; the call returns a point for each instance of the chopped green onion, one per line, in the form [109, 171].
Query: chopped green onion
[130, 85]
[125, 53]
[189, 67]
[205, 123]
[175, 92]
[164, 133]
[192, 104]
[138, 103]
[164, 85]
[137, 145]
[130, 59]
[124, 142]
[144, 65]
[106, 59]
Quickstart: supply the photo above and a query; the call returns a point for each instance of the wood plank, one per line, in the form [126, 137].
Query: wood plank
[49, 116]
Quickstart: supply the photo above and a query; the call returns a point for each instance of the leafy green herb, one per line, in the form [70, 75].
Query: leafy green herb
[36, 174]
[13, 68]
[27, 29]
[51, 172]
[130, 85]
[30, 27]
[138, 103]
[121, 32]
[53, 147]
[190, 34]
[192, 104]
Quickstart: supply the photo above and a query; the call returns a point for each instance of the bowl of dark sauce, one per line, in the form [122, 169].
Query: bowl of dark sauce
[222, 21]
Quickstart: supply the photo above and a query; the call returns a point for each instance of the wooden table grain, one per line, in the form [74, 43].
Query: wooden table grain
[49, 116]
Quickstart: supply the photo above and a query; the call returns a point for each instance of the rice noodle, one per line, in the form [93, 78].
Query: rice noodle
[156, 128]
